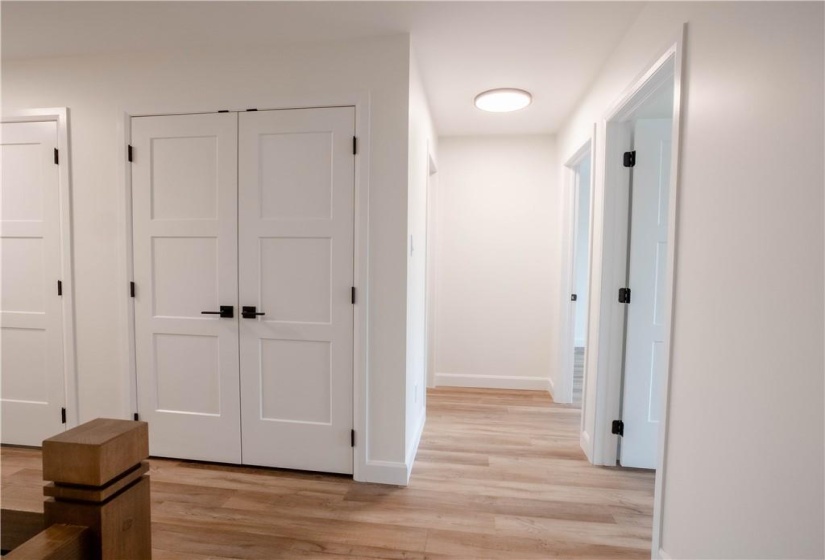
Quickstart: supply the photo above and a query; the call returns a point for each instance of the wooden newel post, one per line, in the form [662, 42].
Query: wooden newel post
[98, 480]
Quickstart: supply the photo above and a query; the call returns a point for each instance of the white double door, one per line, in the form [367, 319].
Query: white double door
[32, 378]
[645, 366]
[250, 213]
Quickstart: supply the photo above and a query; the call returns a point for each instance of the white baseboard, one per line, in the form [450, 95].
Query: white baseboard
[412, 449]
[664, 555]
[584, 442]
[391, 472]
[385, 472]
[552, 388]
[492, 381]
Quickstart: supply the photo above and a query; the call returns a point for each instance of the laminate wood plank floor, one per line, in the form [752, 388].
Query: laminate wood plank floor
[499, 474]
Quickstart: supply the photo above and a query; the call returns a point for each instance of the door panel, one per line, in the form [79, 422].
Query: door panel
[299, 267]
[644, 354]
[296, 184]
[184, 189]
[32, 385]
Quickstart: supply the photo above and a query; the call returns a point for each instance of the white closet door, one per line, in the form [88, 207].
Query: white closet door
[296, 267]
[644, 355]
[184, 189]
[31, 313]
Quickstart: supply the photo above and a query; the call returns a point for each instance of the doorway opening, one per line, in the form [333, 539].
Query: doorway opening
[575, 298]
[635, 276]
[581, 269]
[635, 208]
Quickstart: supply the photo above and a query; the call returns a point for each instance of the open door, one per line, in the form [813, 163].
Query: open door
[644, 364]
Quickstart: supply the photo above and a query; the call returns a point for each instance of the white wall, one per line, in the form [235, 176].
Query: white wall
[97, 89]
[497, 280]
[422, 143]
[744, 465]
[582, 254]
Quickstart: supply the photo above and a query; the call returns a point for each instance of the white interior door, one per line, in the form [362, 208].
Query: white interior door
[184, 189]
[645, 340]
[31, 313]
[296, 181]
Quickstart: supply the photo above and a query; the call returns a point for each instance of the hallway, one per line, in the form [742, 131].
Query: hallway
[499, 474]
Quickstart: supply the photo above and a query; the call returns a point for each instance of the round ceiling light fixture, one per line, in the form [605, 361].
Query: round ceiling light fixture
[503, 100]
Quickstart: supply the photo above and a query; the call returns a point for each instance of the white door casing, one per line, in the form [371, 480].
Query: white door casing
[184, 189]
[296, 196]
[645, 360]
[31, 314]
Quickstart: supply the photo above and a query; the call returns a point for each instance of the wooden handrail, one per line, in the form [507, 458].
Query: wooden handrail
[18, 527]
[58, 542]
[97, 505]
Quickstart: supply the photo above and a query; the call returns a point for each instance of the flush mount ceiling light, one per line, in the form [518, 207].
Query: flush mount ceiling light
[503, 100]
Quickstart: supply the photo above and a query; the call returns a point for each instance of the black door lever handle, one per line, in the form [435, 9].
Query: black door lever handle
[226, 312]
[250, 312]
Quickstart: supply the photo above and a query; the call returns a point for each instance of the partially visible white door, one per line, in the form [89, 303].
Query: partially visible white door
[645, 343]
[184, 189]
[31, 313]
[296, 182]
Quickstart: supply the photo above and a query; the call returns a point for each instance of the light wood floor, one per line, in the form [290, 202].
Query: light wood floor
[499, 474]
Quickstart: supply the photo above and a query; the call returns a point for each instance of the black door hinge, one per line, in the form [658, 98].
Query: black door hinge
[59, 288]
[617, 428]
[136, 416]
[56, 158]
[131, 289]
[63, 415]
[624, 295]
[352, 438]
[353, 295]
[574, 297]
[630, 159]
[354, 145]
[129, 152]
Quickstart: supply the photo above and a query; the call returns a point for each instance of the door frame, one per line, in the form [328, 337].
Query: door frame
[363, 468]
[607, 319]
[562, 391]
[60, 115]
[431, 271]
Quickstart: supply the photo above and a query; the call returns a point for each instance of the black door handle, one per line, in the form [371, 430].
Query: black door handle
[250, 312]
[226, 312]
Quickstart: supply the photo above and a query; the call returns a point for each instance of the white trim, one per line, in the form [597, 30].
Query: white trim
[662, 555]
[673, 216]
[60, 115]
[364, 470]
[126, 266]
[492, 381]
[385, 472]
[412, 449]
[588, 450]
[585, 444]
[430, 269]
